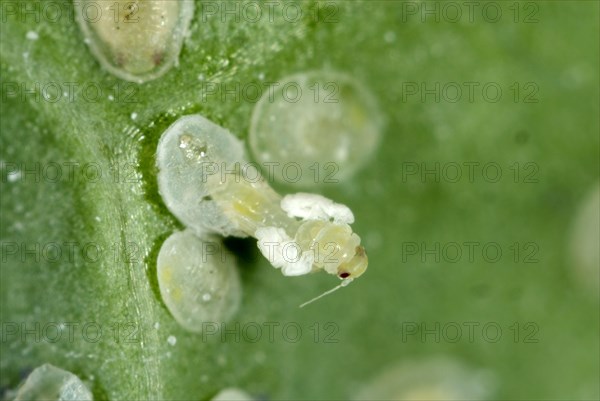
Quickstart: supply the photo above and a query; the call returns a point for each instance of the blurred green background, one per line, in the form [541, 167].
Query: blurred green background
[538, 292]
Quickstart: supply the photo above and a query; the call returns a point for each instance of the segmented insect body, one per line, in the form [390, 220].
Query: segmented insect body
[296, 246]
[198, 279]
[136, 40]
[47, 382]
[202, 180]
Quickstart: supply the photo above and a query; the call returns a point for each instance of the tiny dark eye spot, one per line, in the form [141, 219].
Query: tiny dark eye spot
[344, 275]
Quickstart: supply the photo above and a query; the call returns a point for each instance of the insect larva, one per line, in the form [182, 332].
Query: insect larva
[191, 156]
[198, 279]
[48, 382]
[136, 40]
[325, 121]
[318, 241]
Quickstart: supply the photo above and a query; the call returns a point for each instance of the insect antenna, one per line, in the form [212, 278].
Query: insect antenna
[344, 283]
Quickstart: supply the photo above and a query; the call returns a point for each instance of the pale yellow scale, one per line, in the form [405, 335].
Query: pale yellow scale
[198, 279]
[137, 40]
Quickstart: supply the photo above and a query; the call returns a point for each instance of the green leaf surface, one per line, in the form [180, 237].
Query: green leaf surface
[105, 215]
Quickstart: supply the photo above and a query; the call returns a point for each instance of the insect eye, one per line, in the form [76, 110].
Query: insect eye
[344, 275]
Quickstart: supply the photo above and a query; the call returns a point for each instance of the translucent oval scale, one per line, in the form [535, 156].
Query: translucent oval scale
[48, 382]
[232, 394]
[428, 379]
[136, 40]
[198, 280]
[190, 151]
[584, 240]
[325, 121]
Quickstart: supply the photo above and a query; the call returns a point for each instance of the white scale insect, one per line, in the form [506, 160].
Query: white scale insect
[48, 382]
[326, 122]
[433, 378]
[232, 394]
[136, 40]
[203, 184]
[198, 279]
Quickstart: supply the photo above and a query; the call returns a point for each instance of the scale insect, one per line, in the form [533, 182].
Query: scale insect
[136, 40]
[47, 382]
[202, 181]
[183, 170]
[232, 394]
[198, 279]
[433, 378]
[325, 122]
